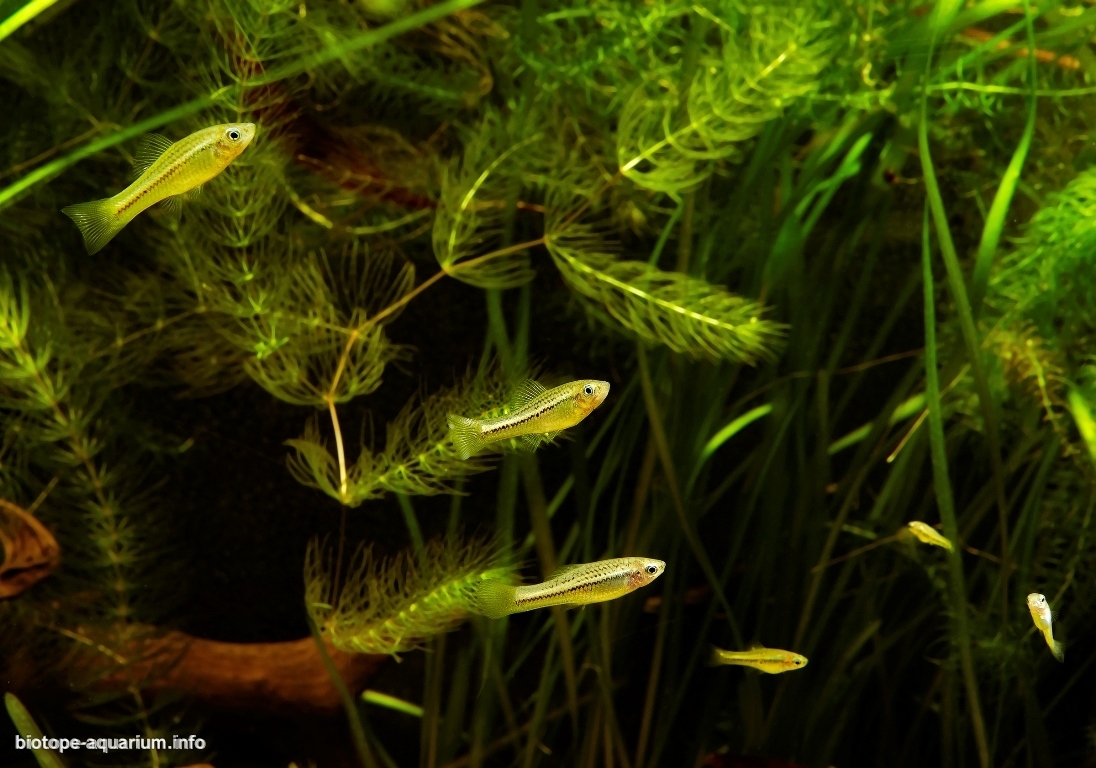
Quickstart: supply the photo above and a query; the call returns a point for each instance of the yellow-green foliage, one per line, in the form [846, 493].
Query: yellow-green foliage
[686, 314]
[739, 86]
[417, 459]
[391, 606]
[472, 208]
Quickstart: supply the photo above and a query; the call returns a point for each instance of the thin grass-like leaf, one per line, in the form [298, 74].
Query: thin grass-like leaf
[946, 504]
[995, 219]
[27, 728]
[19, 13]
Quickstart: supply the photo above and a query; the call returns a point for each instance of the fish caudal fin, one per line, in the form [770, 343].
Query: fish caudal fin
[98, 222]
[1058, 650]
[714, 659]
[466, 435]
[494, 599]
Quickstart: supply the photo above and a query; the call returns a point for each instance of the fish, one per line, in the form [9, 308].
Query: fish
[579, 584]
[164, 171]
[536, 415]
[929, 535]
[1044, 619]
[771, 661]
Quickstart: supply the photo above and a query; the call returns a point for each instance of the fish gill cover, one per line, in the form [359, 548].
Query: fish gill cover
[833, 256]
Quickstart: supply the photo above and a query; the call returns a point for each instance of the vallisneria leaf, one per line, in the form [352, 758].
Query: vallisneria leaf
[16, 13]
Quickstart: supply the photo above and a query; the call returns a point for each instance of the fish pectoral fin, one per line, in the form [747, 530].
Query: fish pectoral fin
[526, 392]
[148, 152]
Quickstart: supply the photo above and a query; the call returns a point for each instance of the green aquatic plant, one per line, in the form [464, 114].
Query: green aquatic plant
[686, 314]
[390, 607]
[770, 57]
[418, 458]
[791, 237]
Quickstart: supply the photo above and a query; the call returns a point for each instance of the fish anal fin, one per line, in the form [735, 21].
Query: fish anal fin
[532, 441]
[172, 207]
[148, 152]
[526, 392]
[195, 193]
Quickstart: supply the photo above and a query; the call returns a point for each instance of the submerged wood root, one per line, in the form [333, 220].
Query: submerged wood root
[285, 677]
[29, 551]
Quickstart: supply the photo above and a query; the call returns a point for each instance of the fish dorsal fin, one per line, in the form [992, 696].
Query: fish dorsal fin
[757, 646]
[563, 570]
[527, 391]
[148, 152]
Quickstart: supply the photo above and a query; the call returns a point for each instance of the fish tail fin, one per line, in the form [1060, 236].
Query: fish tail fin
[494, 599]
[1058, 649]
[98, 222]
[465, 435]
[714, 659]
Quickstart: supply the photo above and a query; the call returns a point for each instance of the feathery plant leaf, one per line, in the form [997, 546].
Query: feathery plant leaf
[736, 90]
[469, 220]
[311, 333]
[418, 458]
[392, 607]
[684, 313]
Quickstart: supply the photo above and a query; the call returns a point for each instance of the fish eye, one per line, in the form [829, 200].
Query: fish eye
[233, 134]
[798, 662]
[588, 390]
[652, 569]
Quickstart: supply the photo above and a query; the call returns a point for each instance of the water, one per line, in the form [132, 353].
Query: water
[832, 258]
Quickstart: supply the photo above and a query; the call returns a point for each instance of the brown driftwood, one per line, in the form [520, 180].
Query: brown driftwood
[272, 677]
[287, 677]
[30, 553]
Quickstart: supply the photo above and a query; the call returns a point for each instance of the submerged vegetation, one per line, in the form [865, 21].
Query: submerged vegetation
[834, 259]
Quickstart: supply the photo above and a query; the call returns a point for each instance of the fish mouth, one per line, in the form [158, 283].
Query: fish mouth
[248, 130]
[602, 392]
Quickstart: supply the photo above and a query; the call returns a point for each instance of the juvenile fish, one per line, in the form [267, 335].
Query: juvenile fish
[536, 415]
[929, 535]
[772, 661]
[1040, 613]
[569, 585]
[164, 170]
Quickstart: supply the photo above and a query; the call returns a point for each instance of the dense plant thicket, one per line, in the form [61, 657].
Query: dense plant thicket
[834, 257]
